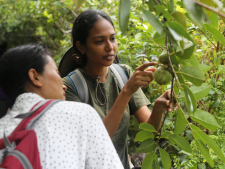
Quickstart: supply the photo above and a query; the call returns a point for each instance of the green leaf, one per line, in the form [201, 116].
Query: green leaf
[180, 77]
[205, 119]
[171, 6]
[198, 91]
[78, 3]
[153, 20]
[216, 103]
[214, 20]
[165, 159]
[147, 146]
[206, 139]
[180, 122]
[195, 12]
[159, 39]
[178, 28]
[147, 127]
[147, 163]
[187, 52]
[151, 5]
[180, 18]
[124, 14]
[204, 68]
[192, 74]
[155, 164]
[193, 61]
[205, 152]
[190, 99]
[180, 142]
[161, 11]
[143, 135]
[216, 34]
[217, 61]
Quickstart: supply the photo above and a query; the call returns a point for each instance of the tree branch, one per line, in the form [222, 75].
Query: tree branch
[208, 38]
[210, 8]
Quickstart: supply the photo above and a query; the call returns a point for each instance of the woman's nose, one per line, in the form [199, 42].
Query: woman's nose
[109, 46]
[64, 87]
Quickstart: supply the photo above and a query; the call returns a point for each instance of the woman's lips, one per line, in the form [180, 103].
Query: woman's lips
[109, 57]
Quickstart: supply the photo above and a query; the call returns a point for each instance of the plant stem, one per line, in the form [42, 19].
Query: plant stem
[210, 8]
[208, 38]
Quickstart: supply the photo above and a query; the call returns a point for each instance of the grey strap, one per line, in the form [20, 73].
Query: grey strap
[22, 158]
[120, 74]
[81, 85]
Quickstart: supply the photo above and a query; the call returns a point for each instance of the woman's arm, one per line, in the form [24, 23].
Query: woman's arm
[140, 77]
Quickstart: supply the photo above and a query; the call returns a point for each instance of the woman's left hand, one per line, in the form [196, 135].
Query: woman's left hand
[163, 103]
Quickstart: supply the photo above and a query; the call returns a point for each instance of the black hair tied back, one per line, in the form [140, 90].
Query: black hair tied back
[14, 67]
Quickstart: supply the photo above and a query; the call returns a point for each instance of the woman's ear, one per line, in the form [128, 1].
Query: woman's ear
[35, 78]
[80, 47]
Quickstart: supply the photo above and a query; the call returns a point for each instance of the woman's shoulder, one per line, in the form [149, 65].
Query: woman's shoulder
[126, 68]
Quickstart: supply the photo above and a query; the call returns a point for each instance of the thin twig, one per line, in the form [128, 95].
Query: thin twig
[160, 130]
[143, 4]
[210, 8]
[157, 2]
[217, 47]
[72, 12]
[64, 18]
[203, 105]
[208, 38]
[168, 54]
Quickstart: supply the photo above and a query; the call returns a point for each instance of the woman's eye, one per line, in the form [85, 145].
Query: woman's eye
[99, 41]
[112, 39]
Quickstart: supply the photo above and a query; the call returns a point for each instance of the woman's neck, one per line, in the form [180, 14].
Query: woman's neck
[97, 71]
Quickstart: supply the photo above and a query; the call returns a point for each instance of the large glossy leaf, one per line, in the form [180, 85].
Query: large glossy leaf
[195, 12]
[205, 119]
[180, 122]
[190, 99]
[159, 39]
[198, 134]
[153, 20]
[178, 28]
[180, 18]
[180, 142]
[192, 74]
[216, 34]
[147, 127]
[165, 159]
[124, 14]
[147, 163]
[147, 146]
[204, 68]
[187, 51]
[198, 91]
[205, 152]
[214, 20]
[143, 135]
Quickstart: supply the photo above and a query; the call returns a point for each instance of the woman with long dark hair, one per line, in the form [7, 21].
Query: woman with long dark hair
[69, 134]
[95, 47]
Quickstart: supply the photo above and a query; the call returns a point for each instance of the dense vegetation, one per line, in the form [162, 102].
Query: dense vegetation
[190, 32]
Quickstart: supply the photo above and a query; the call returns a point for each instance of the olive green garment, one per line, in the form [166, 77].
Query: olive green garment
[111, 90]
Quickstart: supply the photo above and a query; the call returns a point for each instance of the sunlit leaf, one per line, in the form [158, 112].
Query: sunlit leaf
[147, 146]
[190, 99]
[192, 74]
[155, 163]
[217, 61]
[216, 34]
[161, 11]
[205, 119]
[159, 39]
[214, 20]
[180, 142]
[147, 127]
[153, 20]
[78, 3]
[205, 151]
[204, 68]
[206, 139]
[165, 159]
[193, 61]
[187, 51]
[180, 18]
[180, 122]
[143, 135]
[124, 14]
[147, 163]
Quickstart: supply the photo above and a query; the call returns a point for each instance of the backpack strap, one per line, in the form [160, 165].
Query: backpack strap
[79, 85]
[120, 74]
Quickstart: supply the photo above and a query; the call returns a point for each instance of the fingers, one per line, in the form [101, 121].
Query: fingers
[145, 65]
[151, 69]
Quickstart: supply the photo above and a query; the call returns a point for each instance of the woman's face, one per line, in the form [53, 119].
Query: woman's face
[101, 44]
[52, 86]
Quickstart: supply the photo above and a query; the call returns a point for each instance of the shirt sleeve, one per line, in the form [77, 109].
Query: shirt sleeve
[70, 93]
[72, 135]
[138, 99]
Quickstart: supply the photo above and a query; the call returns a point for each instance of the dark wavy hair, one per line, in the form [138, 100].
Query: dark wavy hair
[81, 28]
[14, 67]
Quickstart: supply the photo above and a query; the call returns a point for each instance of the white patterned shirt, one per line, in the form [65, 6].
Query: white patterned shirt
[70, 135]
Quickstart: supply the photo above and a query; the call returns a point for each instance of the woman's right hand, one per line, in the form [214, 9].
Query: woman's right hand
[140, 78]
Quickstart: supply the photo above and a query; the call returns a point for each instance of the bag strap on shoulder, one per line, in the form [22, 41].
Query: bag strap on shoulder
[80, 85]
